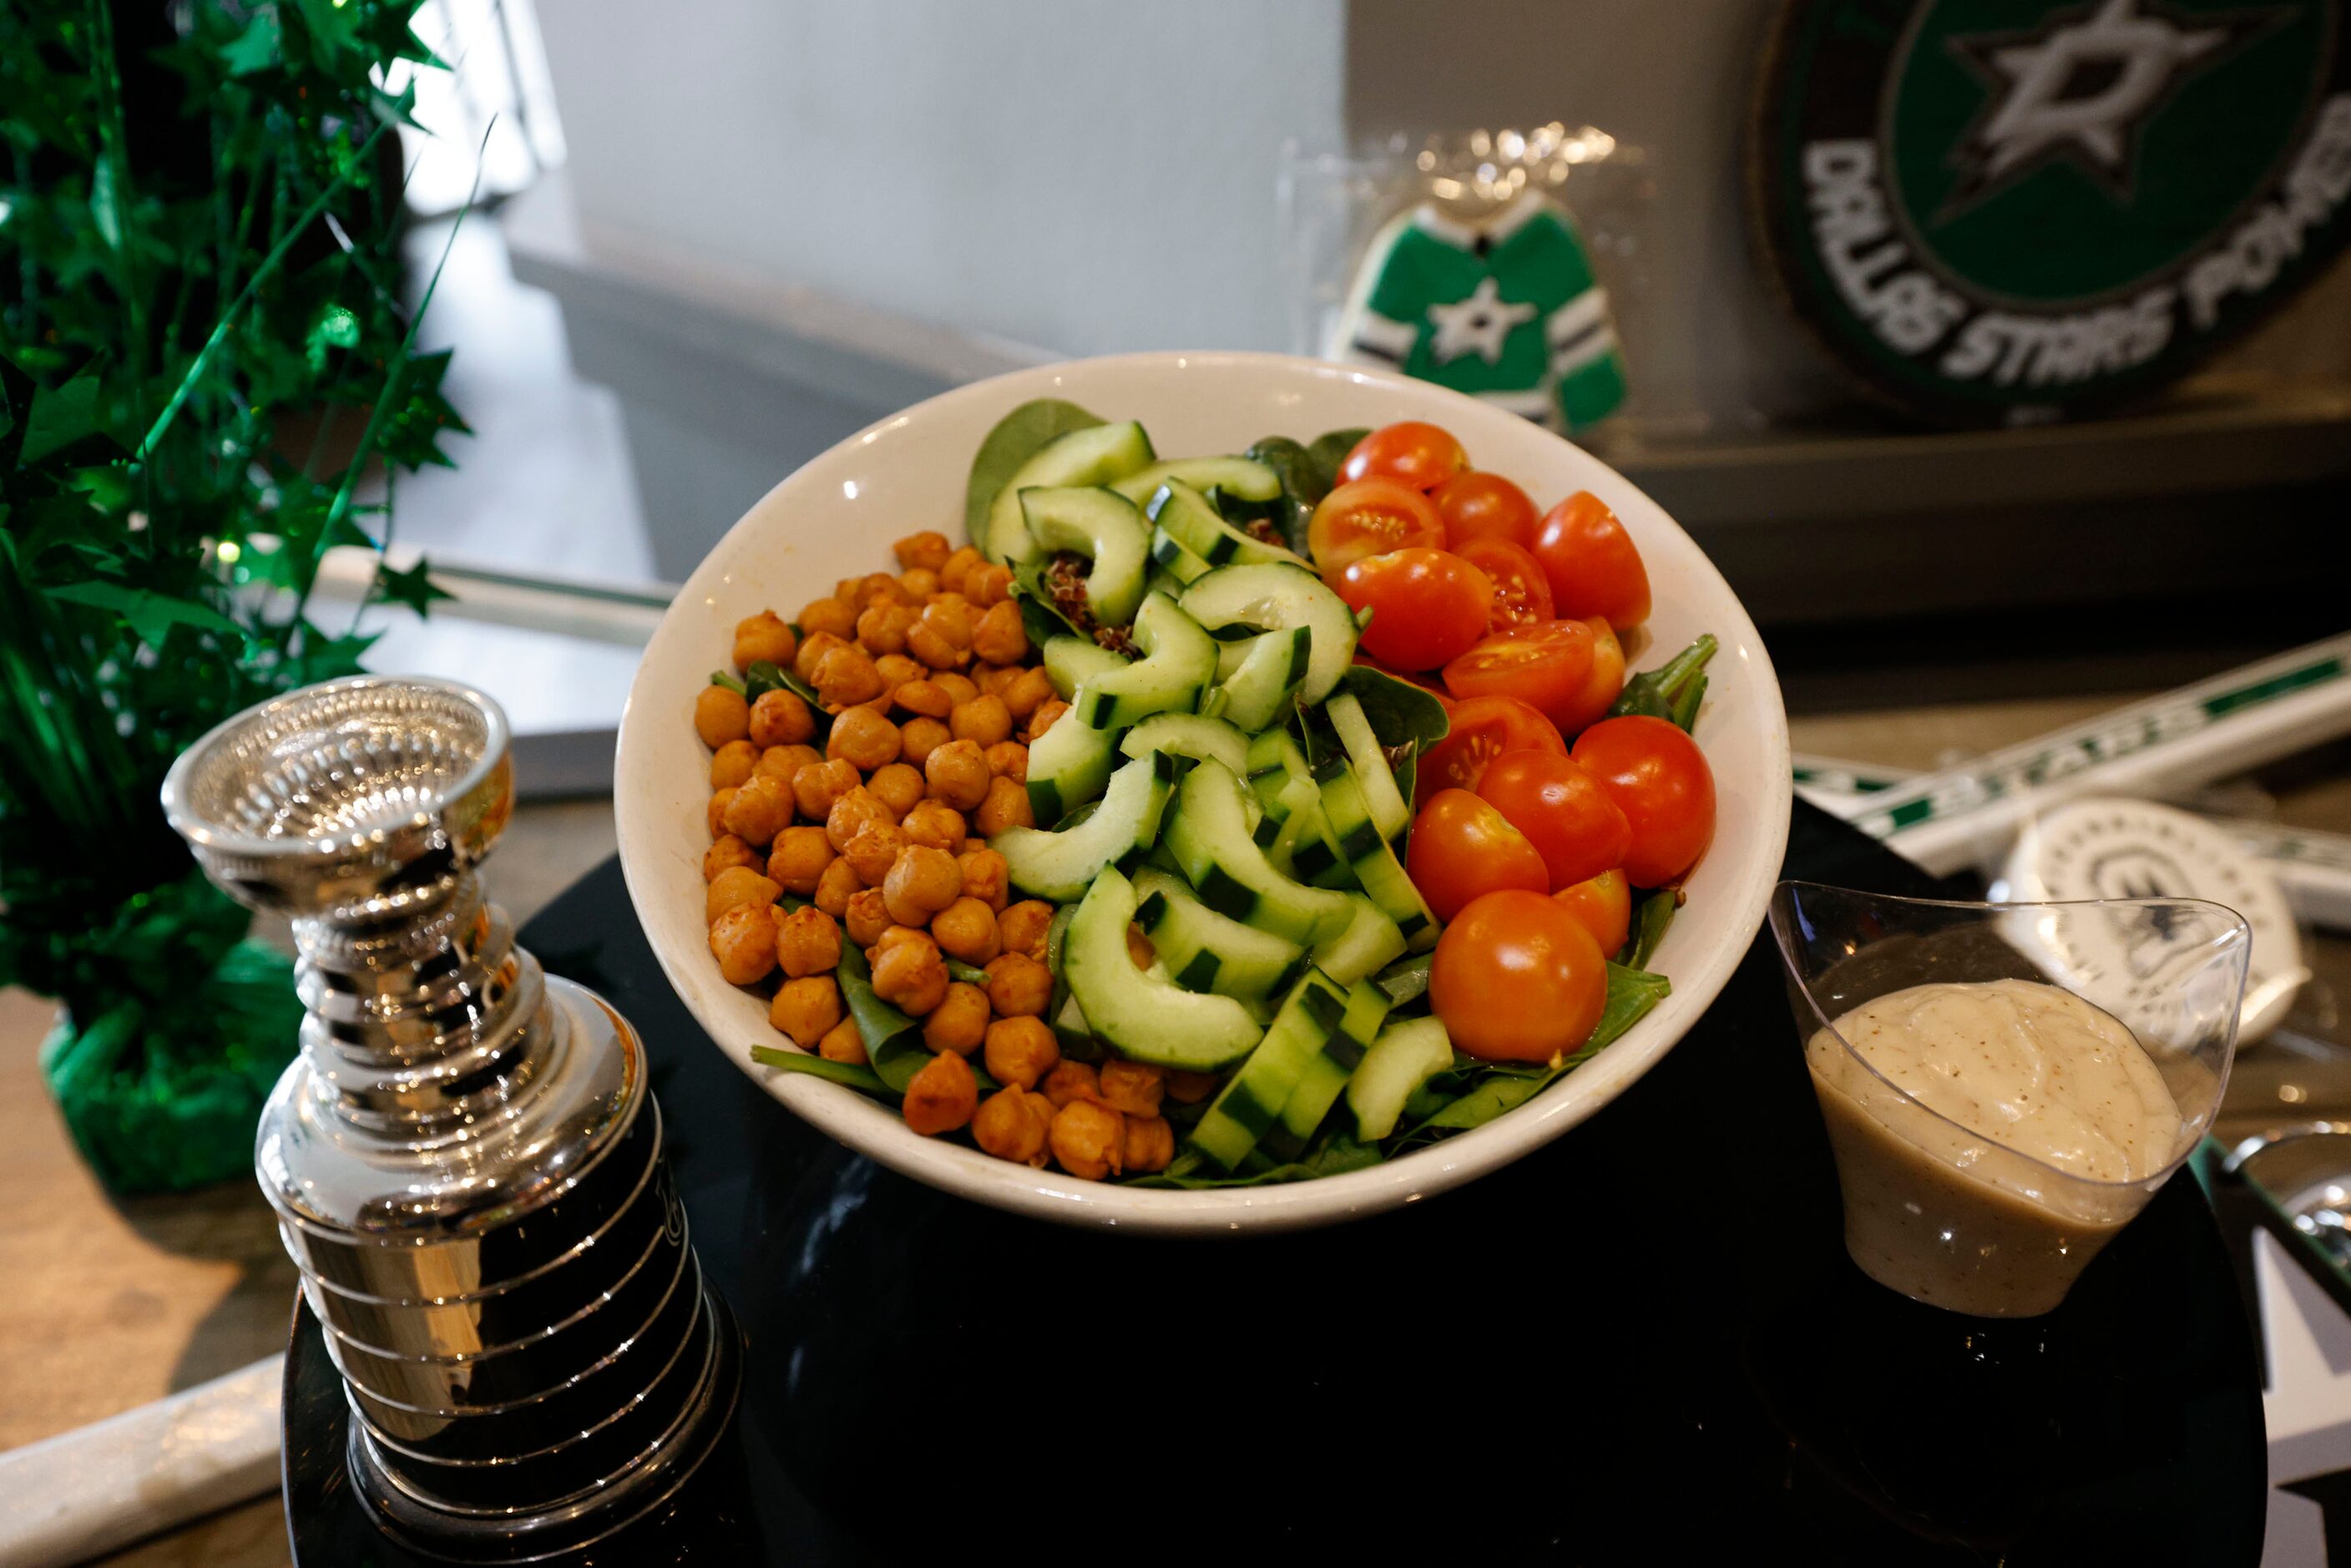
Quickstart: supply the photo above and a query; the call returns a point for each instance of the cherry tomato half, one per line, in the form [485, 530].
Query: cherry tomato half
[1545, 666]
[1371, 516]
[1462, 848]
[1661, 780]
[1478, 505]
[1421, 456]
[1428, 606]
[1574, 823]
[1603, 905]
[1521, 591]
[1593, 568]
[1516, 979]
[1483, 728]
[1603, 686]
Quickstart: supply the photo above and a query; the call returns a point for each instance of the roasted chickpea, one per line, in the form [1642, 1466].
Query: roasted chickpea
[720, 715]
[935, 824]
[1066, 1081]
[719, 800]
[1133, 1087]
[1008, 759]
[883, 628]
[909, 975]
[972, 846]
[862, 738]
[1048, 714]
[816, 787]
[866, 917]
[897, 670]
[786, 761]
[814, 646]
[958, 567]
[984, 877]
[1012, 1124]
[1089, 1140]
[925, 697]
[842, 1042]
[991, 678]
[987, 585]
[743, 940]
[1018, 985]
[1150, 1146]
[1021, 1051]
[918, 737]
[875, 851]
[1000, 636]
[830, 614]
[1022, 927]
[919, 582]
[898, 786]
[1139, 950]
[839, 883]
[966, 929]
[1025, 693]
[732, 763]
[729, 851]
[928, 549]
[798, 862]
[927, 642]
[780, 718]
[961, 688]
[740, 885]
[852, 812]
[760, 809]
[875, 588]
[894, 933]
[984, 719]
[960, 1022]
[807, 1008]
[808, 941]
[1006, 806]
[942, 1097]
[958, 776]
[846, 676]
[922, 882]
[1190, 1088]
[763, 637]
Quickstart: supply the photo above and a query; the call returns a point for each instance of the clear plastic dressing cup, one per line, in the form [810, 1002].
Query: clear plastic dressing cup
[1949, 1214]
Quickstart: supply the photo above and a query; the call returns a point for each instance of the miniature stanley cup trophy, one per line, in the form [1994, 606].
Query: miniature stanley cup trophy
[466, 1161]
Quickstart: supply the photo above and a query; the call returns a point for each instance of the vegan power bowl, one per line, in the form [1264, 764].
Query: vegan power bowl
[1208, 821]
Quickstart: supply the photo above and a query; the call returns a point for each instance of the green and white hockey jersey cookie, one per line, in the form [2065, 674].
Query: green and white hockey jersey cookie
[1506, 311]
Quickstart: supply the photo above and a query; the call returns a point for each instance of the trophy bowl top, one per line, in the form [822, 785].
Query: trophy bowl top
[334, 792]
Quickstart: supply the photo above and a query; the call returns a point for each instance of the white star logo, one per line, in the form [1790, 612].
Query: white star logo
[2081, 87]
[1478, 325]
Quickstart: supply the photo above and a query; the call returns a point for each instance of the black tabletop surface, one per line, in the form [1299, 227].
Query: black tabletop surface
[1641, 1344]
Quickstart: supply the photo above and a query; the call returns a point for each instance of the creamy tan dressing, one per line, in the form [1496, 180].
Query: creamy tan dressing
[1966, 1207]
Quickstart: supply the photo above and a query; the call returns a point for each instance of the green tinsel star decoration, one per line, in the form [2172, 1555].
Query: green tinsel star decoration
[205, 346]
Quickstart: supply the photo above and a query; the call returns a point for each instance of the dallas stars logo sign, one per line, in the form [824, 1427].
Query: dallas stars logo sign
[2008, 210]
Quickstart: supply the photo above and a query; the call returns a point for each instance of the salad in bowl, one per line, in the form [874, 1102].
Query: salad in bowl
[1185, 831]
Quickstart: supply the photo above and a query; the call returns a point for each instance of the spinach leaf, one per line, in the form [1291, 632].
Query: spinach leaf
[721, 678]
[1301, 488]
[864, 1080]
[1399, 711]
[1405, 980]
[1662, 692]
[1649, 925]
[764, 677]
[1631, 994]
[1328, 451]
[893, 1042]
[1017, 436]
[1336, 1153]
[1040, 616]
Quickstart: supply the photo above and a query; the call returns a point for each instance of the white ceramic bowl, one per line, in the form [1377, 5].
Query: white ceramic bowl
[836, 518]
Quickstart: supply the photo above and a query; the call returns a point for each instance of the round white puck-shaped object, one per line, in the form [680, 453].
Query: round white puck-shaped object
[2107, 847]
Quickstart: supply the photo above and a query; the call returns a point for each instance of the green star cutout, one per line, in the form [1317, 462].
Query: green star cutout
[411, 587]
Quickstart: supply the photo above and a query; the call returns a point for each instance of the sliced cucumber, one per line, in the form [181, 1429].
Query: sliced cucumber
[1276, 599]
[1184, 735]
[1192, 520]
[1314, 848]
[1147, 1018]
[1243, 477]
[1389, 813]
[1364, 949]
[1105, 527]
[1327, 1076]
[1173, 560]
[1258, 691]
[1098, 455]
[1179, 661]
[1068, 766]
[1069, 661]
[1059, 865]
[1209, 834]
[1205, 951]
[1359, 844]
[1274, 759]
[1252, 1099]
[1404, 1056]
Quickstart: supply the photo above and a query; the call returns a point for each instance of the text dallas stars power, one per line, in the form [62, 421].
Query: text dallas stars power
[2029, 122]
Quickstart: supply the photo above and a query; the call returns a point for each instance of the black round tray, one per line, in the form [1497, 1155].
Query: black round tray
[1642, 1344]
